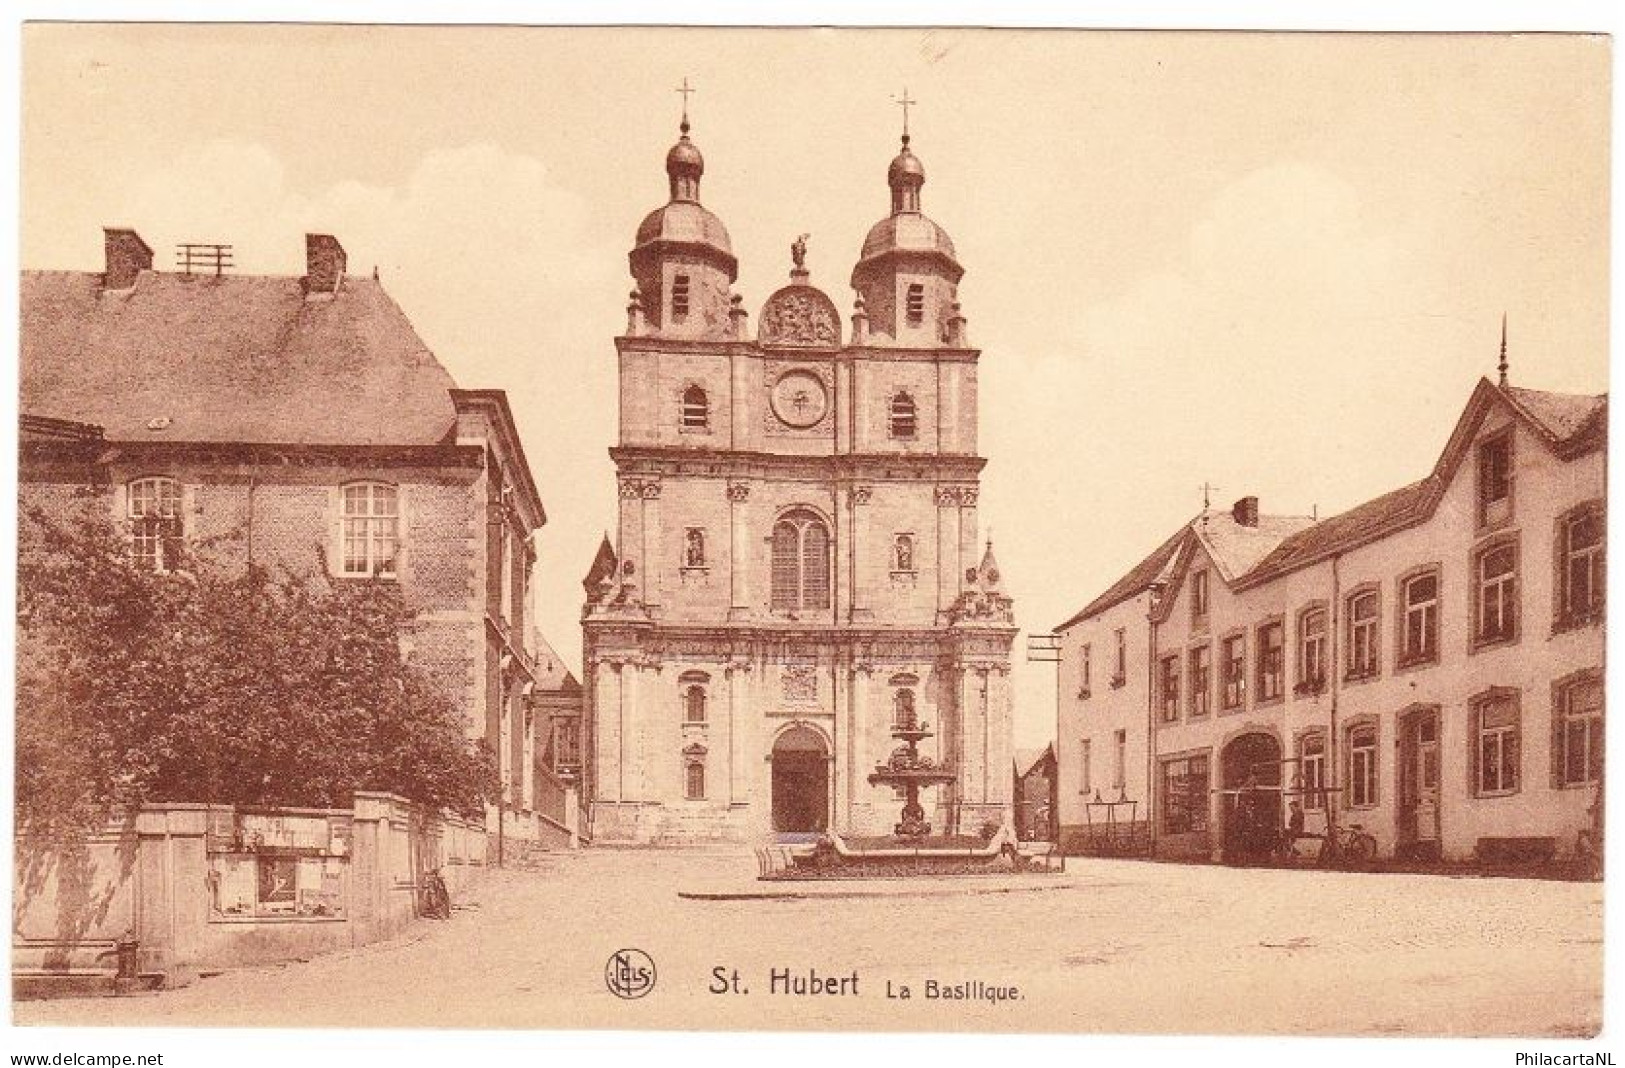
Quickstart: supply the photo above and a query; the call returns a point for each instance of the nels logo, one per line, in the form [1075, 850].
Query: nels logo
[630, 973]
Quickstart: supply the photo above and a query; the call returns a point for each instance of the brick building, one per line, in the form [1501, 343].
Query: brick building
[1427, 665]
[797, 562]
[303, 416]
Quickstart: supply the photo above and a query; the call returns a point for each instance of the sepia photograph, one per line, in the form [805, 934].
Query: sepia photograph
[811, 529]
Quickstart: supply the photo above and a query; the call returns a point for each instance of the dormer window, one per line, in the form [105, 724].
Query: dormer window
[1495, 479]
[155, 523]
[904, 420]
[696, 413]
[915, 304]
[679, 296]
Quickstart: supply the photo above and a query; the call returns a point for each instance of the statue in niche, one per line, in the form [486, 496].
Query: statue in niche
[694, 548]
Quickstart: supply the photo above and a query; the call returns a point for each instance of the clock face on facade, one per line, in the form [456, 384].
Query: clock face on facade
[799, 399]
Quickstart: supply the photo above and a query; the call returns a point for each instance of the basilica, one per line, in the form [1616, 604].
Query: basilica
[796, 565]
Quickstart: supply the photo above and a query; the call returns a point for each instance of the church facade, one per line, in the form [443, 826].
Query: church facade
[797, 562]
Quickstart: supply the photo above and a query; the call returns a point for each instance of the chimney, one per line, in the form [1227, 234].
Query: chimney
[1245, 512]
[127, 257]
[324, 264]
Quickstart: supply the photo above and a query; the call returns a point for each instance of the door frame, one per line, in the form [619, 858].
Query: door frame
[1407, 834]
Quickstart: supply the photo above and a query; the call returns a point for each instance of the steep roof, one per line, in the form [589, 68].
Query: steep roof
[1025, 759]
[1140, 578]
[1250, 555]
[1570, 423]
[238, 358]
[1236, 547]
[1560, 417]
[1344, 530]
[551, 674]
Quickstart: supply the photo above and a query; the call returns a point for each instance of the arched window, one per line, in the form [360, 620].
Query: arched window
[800, 563]
[693, 686]
[694, 773]
[694, 704]
[155, 523]
[696, 413]
[903, 416]
[371, 530]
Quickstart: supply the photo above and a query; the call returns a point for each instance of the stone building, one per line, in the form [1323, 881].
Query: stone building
[303, 416]
[797, 560]
[1427, 665]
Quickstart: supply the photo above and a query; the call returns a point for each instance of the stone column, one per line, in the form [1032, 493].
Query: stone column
[739, 554]
[629, 534]
[857, 738]
[948, 578]
[609, 731]
[857, 502]
[968, 557]
[652, 546]
[998, 718]
[738, 677]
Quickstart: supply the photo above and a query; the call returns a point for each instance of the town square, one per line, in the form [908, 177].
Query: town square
[875, 530]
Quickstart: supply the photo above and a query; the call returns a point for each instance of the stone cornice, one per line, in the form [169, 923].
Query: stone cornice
[741, 464]
[796, 353]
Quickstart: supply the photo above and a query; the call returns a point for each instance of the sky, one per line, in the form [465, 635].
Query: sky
[1274, 263]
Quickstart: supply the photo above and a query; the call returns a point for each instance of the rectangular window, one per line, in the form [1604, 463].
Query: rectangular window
[694, 781]
[679, 296]
[1271, 661]
[1198, 596]
[1087, 769]
[1312, 650]
[1362, 630]
[1495, 479]
[1168, 685]
[371, 529]
[1083, 683]
[1581, 548]
[1120, 664]
[1497, 593]
[1233, 671]
[1419, 626]
[1201, 681]
[154, 508]
[1498, 758]
[1119, 760]
[916, 304]
[1579, 733]
[1312, 770]
[1363, 766]
[1184, 795]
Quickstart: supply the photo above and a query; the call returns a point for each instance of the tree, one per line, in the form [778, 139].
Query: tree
[217, 683]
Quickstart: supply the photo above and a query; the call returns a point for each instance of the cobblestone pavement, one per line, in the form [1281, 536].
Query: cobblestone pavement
[1110, 946]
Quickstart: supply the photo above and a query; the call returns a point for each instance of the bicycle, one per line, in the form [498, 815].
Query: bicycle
[435, 899]
[1349, 843]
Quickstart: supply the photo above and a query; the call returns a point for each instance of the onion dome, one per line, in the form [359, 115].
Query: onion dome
[907, 230]
[682, 224]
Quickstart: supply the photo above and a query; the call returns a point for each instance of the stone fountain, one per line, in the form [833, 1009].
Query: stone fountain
[908, 769]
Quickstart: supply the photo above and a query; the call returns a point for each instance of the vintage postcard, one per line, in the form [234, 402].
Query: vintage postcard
[912, 530]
